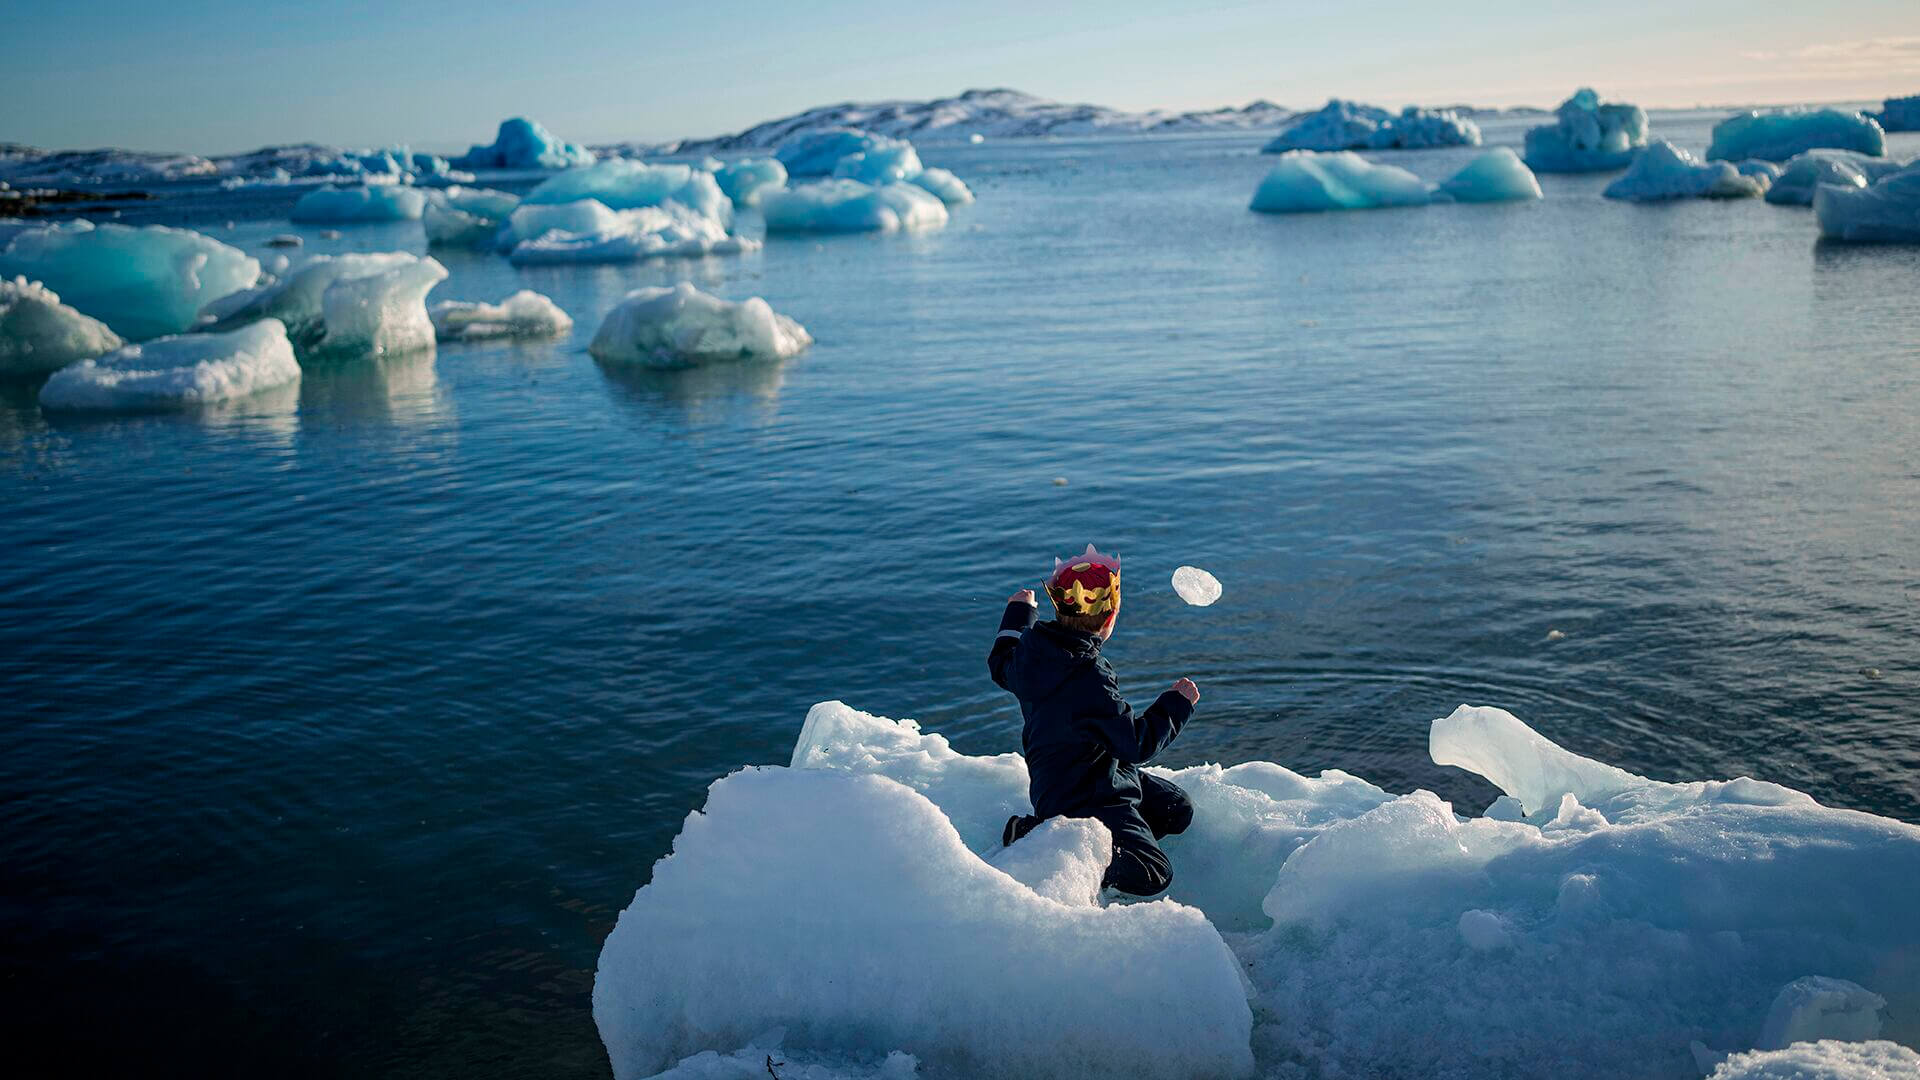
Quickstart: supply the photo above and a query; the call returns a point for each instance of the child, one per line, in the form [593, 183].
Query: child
[1084, 744]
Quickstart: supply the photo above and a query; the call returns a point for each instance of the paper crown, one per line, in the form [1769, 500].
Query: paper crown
[1088, 584]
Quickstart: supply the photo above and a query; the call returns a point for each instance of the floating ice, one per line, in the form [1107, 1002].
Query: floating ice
[1900, 114]
[1826, 1060]
[851, 206]
[1587, 136]
[1196, 586]
[755, 1061]
[681, 326]
[1815, 1008]
[743, 181]
[142, 282]
[1845, 168]
[1306, 181]
[1495, 176]
[1782, 134]
[587, 232]
[464, 216]
[177, 372]
[376, 202]
[944, 184]
[39, 334]
[371, 303]
[1664, 171]
[525, 314]
[817, 153]
[1349, 125]
[1887, 211]
[890, 164]
[524, 144]
[627, 185]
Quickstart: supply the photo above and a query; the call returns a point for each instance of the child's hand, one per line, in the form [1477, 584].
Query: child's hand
[1024, 596]
[1186, 689]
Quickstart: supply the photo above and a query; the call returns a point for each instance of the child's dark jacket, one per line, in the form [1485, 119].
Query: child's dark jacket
[1083, 743]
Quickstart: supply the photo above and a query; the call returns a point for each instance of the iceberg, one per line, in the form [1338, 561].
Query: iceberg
[818, 153]
[1900, 114]
[851, 206]
[1349, 125]
[177, 372]
[620, 184]
[524, 144]
[1196, 586]
[1664, 171]
[1805, 172]
[588, 232]
[142, 282]
[1305, 181]
[39, 334]
[376, 202]
[1587, 136]
[1495, 176]
[889, 164]
[465, 217]
[1827, 1059]
[1887, 211]
[1781, 134]
[948, 187]
[525, 314]
[743, 181]
[333, 304]
[1592, 923]
[682, 326]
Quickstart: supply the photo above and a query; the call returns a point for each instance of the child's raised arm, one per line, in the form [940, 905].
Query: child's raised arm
[1022, 611]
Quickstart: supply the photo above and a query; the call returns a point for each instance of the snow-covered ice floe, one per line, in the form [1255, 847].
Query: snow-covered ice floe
[1827, 1059]
[1805, 172]
[374, 202]
[1900, 114]
[586, 231]
[177, 372]
[1349, 125]
[39, 334]
[1777, 135]
[525, 314]
[1587, 136]
[464, 216]
[336, 304]
[142, 282]
[743, 181]
[851, 206]
[1665, 171]
[682, 326]
[1885, 212]
[1305, 181]
[1196, 586]
[1591, 923]
[524, 144]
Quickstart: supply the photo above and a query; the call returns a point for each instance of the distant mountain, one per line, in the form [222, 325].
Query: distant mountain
[996, 114]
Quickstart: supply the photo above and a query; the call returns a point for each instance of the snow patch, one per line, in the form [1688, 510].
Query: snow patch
[1826, 1060]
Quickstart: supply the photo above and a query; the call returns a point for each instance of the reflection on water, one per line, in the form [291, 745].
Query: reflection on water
[401, 390]
[704, 393]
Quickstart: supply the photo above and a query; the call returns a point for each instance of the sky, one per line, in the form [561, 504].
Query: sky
[219, 76]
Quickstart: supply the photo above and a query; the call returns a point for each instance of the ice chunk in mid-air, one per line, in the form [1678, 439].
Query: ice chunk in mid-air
[681, 326]
[847, 909]
[1884, 212]
[1777, 135]
[1665, 171]
[621, 184]
[816, 153]
[1349, 125]
[1900, 114]
[1196, 586]
[1804, 173]
[39, 334]
[1825, 1060]
[464, 216]
[944, 184]
[851, 206]
[744, 180]
[1495, 176]
[892, 163]
[524, 144]
[376, 202]
[371, 303]
[1817, 1007]
[587, 232]
[1587, 136]
[178, 372]
[1306, 181]
[142, 282]
[525, 314]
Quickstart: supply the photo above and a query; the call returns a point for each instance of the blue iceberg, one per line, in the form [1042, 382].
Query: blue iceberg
[373, 303]
[142, 282]
[1664, 171]
[622, 184]
[1495, 176]
[1885, 212]
[1781, 134]
[1900, 114]
[851, 206]
[524, 144]
[587, 231]
[1796, 183]
[178, 372]
[1587, 136]
[682, 326]
[947, 186]
[1349, 125]
[817, 152]
[465, 217]
[743, 181]
[1305, 181]
[358, 205]
[890, 164]
[39, 334]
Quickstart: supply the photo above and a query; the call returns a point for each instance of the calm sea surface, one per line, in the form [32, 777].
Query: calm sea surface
[340, 724]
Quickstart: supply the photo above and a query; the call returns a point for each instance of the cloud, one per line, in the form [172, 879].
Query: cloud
[1866, 57]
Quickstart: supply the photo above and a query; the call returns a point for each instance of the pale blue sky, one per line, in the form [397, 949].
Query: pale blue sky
[213, 76]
